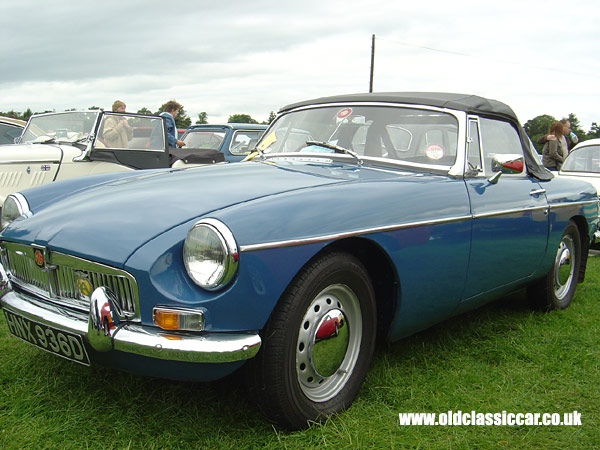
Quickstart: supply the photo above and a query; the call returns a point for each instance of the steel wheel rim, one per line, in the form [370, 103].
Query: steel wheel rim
[332, 300]
[564, 267]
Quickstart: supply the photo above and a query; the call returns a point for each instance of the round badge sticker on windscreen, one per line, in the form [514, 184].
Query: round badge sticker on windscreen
[434, 152]
[343, 113]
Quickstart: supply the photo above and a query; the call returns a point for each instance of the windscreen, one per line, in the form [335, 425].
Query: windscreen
[398, 133]
[65, 127]
[584, 159]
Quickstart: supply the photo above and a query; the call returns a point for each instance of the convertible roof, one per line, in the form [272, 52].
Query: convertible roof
[461, 102]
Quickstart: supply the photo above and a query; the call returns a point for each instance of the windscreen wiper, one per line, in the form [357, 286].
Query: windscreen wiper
[44, 140]
[336, 148]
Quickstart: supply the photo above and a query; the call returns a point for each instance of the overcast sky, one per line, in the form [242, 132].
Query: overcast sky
[253, 57]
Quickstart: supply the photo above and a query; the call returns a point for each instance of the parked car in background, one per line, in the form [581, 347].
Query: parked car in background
[234, 140]
[583, 163]
[57, 146]
[357, 217]
[10, 129]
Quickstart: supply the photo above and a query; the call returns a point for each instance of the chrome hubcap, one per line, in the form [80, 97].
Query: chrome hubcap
[564, 268]
[328, 342]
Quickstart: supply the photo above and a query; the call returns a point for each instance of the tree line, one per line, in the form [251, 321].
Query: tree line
[183, 120]
[536, 127]
[540, 125]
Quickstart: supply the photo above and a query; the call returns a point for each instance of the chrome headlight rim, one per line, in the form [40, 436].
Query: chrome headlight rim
[229, 247]
[21, 204]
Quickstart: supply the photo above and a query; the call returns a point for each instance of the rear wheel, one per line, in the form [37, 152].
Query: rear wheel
[557, 288]
[318, 343]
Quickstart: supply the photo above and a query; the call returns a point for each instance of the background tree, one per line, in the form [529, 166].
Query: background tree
[27, 114]
[594, 132]
[241, 118]
[271, 118]
[144, 110]
[95, 108]
[202, 118]
[13, 114]
[182, 120]
[537, 127]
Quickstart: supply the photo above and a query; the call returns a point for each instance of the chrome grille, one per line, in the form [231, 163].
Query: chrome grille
[60, 277]
[25, 270]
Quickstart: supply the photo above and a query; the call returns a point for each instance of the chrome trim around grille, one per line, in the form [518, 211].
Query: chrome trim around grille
[67, 280]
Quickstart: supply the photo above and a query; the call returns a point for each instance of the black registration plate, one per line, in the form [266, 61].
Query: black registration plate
[60, 342]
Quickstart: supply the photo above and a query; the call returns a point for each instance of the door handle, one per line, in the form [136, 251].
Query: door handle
[537, 192]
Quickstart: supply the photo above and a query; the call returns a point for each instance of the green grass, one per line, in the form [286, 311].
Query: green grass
[503, 357]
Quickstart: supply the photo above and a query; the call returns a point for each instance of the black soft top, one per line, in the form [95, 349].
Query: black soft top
[472, 104]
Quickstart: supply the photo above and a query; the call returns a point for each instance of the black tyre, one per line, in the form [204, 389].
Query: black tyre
[557, 288]
[317, 345]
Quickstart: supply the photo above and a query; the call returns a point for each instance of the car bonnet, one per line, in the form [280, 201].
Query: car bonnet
[108, 222]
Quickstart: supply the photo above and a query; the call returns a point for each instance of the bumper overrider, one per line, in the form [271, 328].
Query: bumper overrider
[69, 333]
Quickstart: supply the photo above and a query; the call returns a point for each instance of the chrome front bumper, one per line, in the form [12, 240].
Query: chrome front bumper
[130, 337]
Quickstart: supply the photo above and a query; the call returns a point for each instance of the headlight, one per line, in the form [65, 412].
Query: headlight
[210, 254]
[14, 206]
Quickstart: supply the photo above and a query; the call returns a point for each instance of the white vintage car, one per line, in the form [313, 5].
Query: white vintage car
[57, 146]
[583, 163]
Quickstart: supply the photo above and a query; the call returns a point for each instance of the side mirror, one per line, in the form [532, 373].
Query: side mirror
[508, 164]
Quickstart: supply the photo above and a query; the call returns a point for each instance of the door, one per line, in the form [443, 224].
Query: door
[131, 140]
[510, 214]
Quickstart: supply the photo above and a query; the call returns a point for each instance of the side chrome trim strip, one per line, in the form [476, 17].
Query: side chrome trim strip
[331, 237]
[566, 205]
[312, 240]
[507, 212]
[32, 161]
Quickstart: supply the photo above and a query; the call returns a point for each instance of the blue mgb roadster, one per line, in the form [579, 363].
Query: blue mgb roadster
[355, 217]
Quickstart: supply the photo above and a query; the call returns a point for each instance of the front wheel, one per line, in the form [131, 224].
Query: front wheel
[557, 288]
[318, 343]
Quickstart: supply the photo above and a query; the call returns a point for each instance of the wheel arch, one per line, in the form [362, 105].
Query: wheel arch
[381, 272]
[582, 227]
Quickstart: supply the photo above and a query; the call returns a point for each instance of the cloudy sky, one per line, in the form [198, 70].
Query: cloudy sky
[228, 57]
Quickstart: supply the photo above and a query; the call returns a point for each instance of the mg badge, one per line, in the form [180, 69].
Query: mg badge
[38, 256]
[83, 285]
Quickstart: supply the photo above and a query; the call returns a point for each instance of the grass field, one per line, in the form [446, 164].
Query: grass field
[503, 357]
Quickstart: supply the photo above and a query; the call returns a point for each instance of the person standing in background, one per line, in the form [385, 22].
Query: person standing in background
[170, 112]
[555, 149]
[569, 138]
[117, 132]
